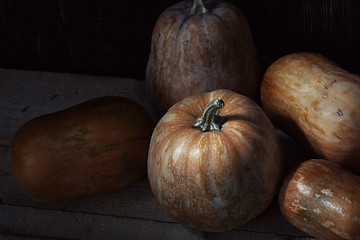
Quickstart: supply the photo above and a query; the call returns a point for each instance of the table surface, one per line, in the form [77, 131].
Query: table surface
[128, 213]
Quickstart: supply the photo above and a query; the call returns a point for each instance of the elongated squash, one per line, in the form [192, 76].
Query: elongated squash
[93, 147]
[322, 199]
[317, 103]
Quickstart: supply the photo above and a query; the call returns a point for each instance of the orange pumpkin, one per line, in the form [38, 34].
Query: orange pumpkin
[317, 103]
[199, 47]
[322, 199]
[214, 171]
[93, 147]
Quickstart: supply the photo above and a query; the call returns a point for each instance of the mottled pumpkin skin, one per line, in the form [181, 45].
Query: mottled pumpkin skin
[93, 147]
[214, 181]
[318, 103]
[192, 54]
[322, 199]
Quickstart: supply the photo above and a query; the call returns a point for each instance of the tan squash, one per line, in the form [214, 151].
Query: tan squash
[199, 47]
[214, 171]
[317, 103]
[94, 147]
[322, 199]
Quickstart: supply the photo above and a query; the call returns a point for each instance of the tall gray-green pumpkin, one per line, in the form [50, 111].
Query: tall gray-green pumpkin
[199, 46]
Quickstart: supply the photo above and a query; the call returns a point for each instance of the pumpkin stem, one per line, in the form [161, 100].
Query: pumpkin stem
[198, 8]
[208, 122]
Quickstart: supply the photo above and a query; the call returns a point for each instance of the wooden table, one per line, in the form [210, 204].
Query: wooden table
[128, 213]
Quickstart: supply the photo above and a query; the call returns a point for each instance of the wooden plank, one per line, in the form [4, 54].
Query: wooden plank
[15, 236]
[67, 225]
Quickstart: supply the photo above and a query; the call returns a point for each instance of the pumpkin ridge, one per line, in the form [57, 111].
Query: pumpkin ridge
[184, 178]
[208, 50]
[209, 183]
[183, 23]
[217, 16]
[189, 181]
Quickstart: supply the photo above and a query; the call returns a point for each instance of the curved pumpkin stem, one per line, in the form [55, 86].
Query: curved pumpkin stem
[208, 121]
[198, 8]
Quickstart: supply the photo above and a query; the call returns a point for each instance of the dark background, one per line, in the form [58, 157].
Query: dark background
[113, 37]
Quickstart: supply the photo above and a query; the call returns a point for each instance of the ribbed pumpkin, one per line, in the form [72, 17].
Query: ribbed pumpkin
[199, 47]
[322, 199]
[214, 171]
[93, 147]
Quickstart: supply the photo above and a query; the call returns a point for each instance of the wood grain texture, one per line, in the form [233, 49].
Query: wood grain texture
[127, 213]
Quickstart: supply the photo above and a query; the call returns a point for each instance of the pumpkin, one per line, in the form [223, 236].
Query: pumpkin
[199, 47]
[322, 199]
[93, 147]
[316, 102]
[214, 171]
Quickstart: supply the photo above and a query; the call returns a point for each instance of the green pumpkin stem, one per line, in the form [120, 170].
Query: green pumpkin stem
[198, 8]
[208, 122]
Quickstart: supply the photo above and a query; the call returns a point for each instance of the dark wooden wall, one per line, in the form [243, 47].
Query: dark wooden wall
[113, 37]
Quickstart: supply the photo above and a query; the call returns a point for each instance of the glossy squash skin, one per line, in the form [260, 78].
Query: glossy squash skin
[96, 146]
[214, 180]
[322, 199]
[317, 103]
[196, 50]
